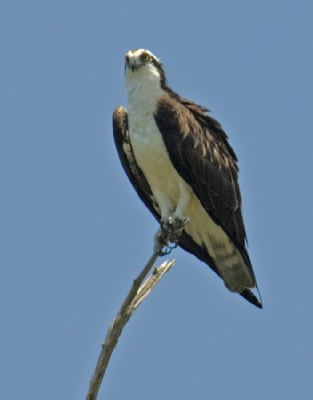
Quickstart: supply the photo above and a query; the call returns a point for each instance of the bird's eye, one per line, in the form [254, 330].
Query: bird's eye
[145, 57]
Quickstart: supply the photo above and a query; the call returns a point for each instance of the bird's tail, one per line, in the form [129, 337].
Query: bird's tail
[252, 298]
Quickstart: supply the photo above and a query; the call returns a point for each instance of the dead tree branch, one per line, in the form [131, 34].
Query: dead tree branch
[138, 292]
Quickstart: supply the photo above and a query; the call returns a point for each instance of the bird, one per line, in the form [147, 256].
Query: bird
[179, 161]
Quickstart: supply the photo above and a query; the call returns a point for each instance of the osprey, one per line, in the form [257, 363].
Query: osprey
[182, 167]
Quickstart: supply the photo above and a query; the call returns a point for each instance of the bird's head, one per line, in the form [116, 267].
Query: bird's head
[141, 64]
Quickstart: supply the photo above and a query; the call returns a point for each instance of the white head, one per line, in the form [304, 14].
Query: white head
[142, 69]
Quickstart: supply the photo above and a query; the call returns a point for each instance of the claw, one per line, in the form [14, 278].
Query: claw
[170, 230]
[168, 249]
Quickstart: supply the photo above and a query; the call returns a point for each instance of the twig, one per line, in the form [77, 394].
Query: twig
[136, 295]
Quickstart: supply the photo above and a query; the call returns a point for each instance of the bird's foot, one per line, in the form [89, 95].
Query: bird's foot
[173, 227]
[170, 231]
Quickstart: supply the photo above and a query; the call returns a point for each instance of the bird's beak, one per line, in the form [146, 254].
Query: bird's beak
[133, 64]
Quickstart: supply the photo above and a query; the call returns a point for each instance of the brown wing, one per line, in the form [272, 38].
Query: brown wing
[126, 155]
[200, 152]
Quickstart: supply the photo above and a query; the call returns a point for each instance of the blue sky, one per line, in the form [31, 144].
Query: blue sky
[74, 234]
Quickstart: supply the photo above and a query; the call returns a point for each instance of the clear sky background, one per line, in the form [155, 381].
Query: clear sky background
[73, 233]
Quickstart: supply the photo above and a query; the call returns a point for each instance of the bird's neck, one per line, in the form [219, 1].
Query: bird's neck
[143, 90]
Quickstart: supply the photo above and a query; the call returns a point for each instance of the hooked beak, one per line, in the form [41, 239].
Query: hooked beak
[133, 64]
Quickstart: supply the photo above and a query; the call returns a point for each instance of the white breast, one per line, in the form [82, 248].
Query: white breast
[144, 90]
[152, 158]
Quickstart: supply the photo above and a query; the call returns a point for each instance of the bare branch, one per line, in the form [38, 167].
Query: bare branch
[136, 295]
[151, 282]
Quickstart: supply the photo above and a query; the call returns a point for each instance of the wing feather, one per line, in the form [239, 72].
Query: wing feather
[200, 152]
[128, 161]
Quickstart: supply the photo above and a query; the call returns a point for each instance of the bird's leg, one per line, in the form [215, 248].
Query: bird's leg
[174, 227]
[177, 221]
[173, 221]
[170, 230]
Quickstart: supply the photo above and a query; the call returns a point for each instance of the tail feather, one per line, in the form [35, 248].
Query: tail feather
[252, 298]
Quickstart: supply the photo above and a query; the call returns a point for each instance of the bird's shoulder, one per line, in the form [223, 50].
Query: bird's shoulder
[196, 125]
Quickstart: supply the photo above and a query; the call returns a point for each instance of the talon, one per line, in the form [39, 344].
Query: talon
[165, 252]
[177, 226]
[167, 224]
[168, 249]
[170, 230]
